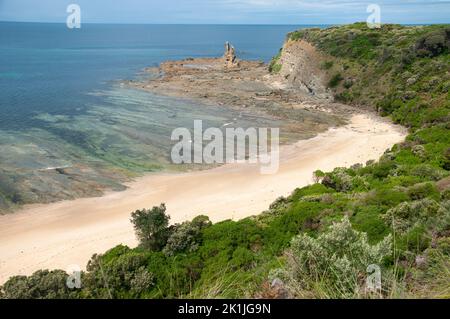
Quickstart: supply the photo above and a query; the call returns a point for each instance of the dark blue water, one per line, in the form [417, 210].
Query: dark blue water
[48, 68]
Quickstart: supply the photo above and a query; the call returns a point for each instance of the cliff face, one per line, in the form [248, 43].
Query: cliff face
[400, 71]
[297, 67]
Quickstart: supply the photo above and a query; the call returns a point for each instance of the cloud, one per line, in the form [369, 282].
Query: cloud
[328, 4]
[343, 11]
[229, 11]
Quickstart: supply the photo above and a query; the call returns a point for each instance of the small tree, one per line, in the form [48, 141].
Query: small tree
[151, 227]
[318, 176]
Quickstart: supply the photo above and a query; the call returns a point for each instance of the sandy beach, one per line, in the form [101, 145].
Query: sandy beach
[68, 233]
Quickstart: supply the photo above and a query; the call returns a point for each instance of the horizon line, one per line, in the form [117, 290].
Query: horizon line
[168, 23]
[224, 24]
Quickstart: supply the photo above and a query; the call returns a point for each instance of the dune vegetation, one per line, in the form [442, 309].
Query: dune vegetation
[321, 241]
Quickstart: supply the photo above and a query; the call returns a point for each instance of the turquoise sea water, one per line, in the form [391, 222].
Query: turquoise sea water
[62, 105]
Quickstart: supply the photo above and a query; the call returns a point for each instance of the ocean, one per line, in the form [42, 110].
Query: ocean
[48, 68]
[62, 105]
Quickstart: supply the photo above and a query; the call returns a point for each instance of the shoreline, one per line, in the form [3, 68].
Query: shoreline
[245, 95]
[58, 235]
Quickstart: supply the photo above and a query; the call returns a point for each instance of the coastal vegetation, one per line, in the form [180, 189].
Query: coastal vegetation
[275, 66]
[393, 213]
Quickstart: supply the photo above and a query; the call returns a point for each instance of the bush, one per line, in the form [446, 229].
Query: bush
[384, 198]
[118, 273]
[339, 180]
[423, 190]
[446, 164]
[348, 83]
[279, 204]
[413, 242]
[275, 66]
[419, 151]
[335, 80]
[405, 215]
[428, 172]
[187, 236]
[242, 258]
[315, 189]
[367, 219]
[433, 44]
[43, 284]
[141, 281]
[151, 227]
[298, 217]
[336, 261]
[442, 223]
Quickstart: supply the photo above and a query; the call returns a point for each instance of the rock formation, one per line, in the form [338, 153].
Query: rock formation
[301, 69]
[230, 56]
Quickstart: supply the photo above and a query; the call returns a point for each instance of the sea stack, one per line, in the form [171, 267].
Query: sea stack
[230, 58]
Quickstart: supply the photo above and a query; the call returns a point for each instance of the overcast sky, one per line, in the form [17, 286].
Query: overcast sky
[227, 11]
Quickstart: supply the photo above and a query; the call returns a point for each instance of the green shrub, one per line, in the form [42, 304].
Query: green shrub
[187, 236]
[413, 242]
[279, 204]
[385, 197]
[242, 258]
[295, 219]
[338, 180]
[423, 190]
[118, 273]
[275, 66]
[336, 261]
[296, 35]
[443, 244]
[335, 80]
[315, 189]
[442, 222]
[445, 195]
[151, 227]
[43, 284]
[348, 83]
[433, 44]
[367, 219]
[428, 172]
[405, 215]
[446, 163]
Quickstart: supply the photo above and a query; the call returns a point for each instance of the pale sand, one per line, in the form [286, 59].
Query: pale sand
[66, 233]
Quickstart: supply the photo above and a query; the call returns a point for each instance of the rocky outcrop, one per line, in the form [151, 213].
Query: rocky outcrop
[230, 57]
[300, 69]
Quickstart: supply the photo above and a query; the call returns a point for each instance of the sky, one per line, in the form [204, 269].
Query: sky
[227, 11]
